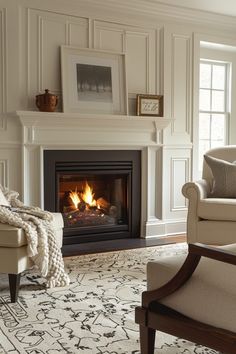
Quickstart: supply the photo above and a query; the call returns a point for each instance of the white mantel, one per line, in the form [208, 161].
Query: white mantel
[90, 129]
[62, 131]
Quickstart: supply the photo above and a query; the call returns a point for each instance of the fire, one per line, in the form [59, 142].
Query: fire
[87, 196]
[75, 198]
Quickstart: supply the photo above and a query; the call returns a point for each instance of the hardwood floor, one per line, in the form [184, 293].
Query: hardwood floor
[116, 245]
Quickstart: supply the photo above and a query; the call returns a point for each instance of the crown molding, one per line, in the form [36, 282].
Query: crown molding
[136, 11]
[157, 11]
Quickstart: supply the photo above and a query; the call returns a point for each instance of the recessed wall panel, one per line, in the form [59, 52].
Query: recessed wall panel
[138, 62]
[3, 173]
[109, 37]
[3, 72]
[79, 33]
[180, 105]
[179, 176]
[52, 34]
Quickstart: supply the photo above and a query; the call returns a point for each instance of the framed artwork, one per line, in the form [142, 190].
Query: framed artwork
[150, 105]
[93, 81]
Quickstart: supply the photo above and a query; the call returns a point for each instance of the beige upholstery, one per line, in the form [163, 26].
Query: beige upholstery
[11, 236]
[209, 296]
[210, 220]
[13, 246]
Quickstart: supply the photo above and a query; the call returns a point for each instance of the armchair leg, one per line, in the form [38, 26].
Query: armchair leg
[147, 339]
[14, 283]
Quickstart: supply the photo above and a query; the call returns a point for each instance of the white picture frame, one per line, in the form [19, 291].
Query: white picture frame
[93, 81]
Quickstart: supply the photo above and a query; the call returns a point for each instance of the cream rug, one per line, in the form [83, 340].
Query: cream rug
[94, 315]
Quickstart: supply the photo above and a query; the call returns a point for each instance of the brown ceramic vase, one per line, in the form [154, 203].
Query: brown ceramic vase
[46, 102]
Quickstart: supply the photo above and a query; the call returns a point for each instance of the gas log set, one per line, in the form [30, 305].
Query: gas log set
[81, 209]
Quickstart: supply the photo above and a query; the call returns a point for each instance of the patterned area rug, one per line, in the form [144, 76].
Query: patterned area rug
[94, 315]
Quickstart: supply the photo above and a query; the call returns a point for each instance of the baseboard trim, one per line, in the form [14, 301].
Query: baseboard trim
[165, 228]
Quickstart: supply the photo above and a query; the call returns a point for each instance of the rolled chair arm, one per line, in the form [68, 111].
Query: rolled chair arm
[199, 189]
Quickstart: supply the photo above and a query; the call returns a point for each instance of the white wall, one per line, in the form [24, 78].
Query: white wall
[160, 48]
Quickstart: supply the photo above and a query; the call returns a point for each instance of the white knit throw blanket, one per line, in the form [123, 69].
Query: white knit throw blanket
[41, 239]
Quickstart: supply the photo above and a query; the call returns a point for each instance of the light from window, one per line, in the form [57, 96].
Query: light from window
[212, 106]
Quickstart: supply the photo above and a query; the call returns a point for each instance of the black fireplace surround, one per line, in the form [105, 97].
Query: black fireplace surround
[113, 178]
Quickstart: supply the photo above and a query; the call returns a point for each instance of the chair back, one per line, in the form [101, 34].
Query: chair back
[227, 153]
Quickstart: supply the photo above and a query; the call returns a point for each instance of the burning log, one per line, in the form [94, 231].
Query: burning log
[81, 206]
[81, 209]
[87, 217]
[103, 203]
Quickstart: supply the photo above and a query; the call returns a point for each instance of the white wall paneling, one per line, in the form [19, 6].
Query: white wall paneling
[179, 175]
[47, 31]
[140, 46]
[178, 83]
[10, 166]
[4, 173]
[3, 69]
[154, 155]
[109, 36]
[176, 172]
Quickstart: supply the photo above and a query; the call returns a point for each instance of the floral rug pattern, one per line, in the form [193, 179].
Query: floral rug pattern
[93, 315]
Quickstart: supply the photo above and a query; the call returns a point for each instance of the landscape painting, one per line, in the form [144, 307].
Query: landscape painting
[94, 83]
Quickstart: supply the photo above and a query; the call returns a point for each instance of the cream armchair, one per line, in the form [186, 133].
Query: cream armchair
[191, 298]
[210, 220]
[13, 252]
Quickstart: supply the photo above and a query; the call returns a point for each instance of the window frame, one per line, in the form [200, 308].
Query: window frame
[227, 100]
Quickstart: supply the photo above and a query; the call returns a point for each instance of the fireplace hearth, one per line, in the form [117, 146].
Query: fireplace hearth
[98, 193]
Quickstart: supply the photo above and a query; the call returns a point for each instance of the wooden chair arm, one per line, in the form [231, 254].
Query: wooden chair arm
[196, 251]
[212, 252]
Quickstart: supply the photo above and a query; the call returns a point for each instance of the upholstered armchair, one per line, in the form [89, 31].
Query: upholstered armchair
[211, 215]
[191, 297]
[15, 243]
[13, 252]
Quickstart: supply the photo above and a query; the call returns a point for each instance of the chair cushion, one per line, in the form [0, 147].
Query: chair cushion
[224, 174]
[11, 236]
[220, 209]
[209, 296]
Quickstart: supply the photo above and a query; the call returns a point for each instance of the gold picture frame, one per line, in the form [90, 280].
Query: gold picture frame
[149, 105]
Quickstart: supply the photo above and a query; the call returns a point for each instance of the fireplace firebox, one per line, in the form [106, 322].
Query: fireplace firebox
[98, 193]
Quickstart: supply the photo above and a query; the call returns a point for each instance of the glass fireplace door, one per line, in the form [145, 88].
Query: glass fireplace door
[98, 193]
[93, 200]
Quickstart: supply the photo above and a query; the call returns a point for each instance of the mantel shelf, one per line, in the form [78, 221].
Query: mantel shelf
[66, 129]
[47, 119]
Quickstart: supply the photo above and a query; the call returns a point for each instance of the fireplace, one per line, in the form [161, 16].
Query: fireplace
[97, 191]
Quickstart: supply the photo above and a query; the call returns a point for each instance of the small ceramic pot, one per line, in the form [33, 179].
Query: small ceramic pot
[46, 102]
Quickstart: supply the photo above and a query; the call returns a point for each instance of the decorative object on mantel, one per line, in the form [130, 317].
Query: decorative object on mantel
[150, 105]
[93, 81]
[46, 102]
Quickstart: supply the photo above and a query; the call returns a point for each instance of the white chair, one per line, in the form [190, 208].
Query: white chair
[13, 252]
[210, 220]
[192, 298]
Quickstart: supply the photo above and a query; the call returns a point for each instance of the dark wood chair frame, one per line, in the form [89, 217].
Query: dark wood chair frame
[152, 315]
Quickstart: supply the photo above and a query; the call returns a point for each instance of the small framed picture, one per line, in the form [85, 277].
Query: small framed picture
[150, 105]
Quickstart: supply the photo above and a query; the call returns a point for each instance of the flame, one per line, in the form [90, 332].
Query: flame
[88, 195]
[75, 198]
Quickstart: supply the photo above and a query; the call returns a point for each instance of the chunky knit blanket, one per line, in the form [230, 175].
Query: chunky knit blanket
[41, 239]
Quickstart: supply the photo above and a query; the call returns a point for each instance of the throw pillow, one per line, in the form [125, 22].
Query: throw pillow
[224, 174]
[3, 200]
